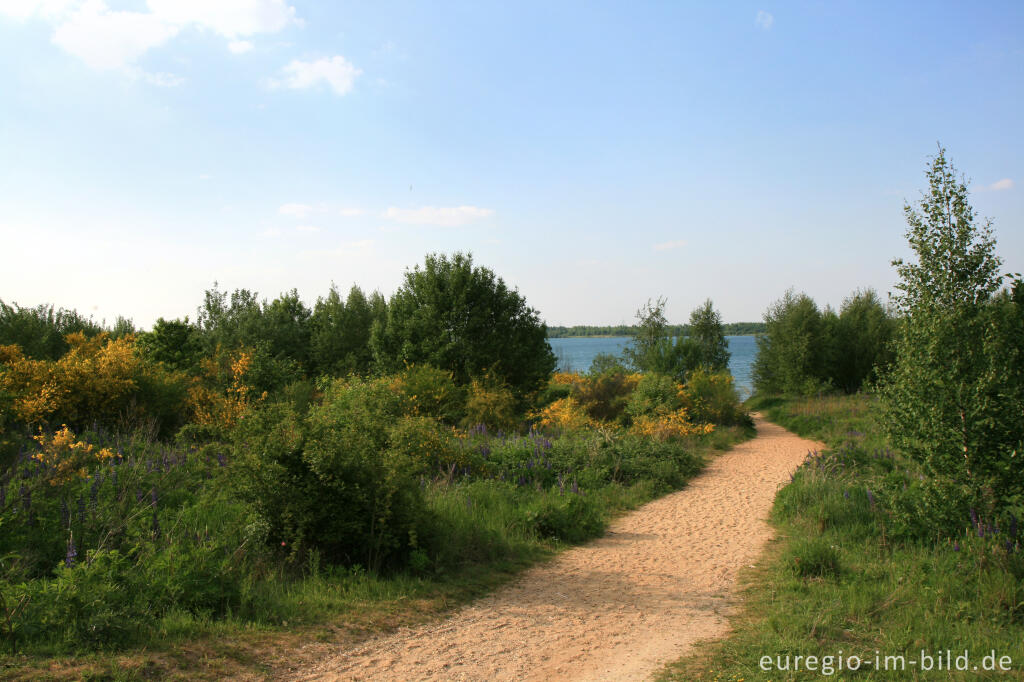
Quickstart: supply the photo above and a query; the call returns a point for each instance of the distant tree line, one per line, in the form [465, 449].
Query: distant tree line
[447, 313]
[729, 329]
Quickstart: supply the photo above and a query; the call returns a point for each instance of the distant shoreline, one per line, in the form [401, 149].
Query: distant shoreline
[600, 331]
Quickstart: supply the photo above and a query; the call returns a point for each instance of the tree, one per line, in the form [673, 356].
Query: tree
[462, 318]
[790, 352]
[341, 333]
[953, 400]
[707, 332]
[654, 350]
[860, 344]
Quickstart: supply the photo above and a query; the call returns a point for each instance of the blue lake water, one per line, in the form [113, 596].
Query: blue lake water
[576, 354]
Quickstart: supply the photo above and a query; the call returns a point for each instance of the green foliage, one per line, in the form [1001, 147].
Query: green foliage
[860, 344]
[813, 557]
[491, 404]
[790, 353]
[462, 318]
[708, 333]
[954, 400]
[175, 343]
[655, 394]
[40, 331]
[340, 332]
[712, 399]
[431, 392]
[344, 481]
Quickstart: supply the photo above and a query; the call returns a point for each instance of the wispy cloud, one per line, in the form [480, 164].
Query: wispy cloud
[307, 228]
[675, 244]
[105, 39]
[351, 212]
[336, 72]
[295, 210]
[764, 19]
[1005, 183]
[453, 216]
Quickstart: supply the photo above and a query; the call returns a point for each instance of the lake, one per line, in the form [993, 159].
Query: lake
[576, 354]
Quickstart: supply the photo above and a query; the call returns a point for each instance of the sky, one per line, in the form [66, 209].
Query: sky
[593, 154]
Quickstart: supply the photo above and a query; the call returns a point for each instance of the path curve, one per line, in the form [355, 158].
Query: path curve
[617, 608]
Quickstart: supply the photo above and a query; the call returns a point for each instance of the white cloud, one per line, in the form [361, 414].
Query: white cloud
[295, 210]
[45, 9]
[434, 215]
[229, 18]
[307, 228]
[1005, 183]
[351, 212]
[764, 20]
[675, 244]
[337, 72]
[109, 39]
[106, 39]
[271, 232]
[239, 46]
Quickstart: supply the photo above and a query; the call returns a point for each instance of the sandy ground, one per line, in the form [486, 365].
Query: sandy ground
[618, 608]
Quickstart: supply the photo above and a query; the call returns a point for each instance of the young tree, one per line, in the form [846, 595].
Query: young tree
[707, 332]
[462, 318]
[653, 349]
[953, 399]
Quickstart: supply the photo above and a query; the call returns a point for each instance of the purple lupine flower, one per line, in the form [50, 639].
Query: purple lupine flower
[846, 494]
[956, 546]
[974, 518]
[149, 466]
[871, 497]
[69, 556]
[221, 459]
[65, 514]
[575, 487]
[154, 498]
[485, 451]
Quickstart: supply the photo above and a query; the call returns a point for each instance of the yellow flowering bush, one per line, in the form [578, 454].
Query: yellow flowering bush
[674, 424]
[566, 414]
[490, 403]
[99, 380]
[223, 392]
[66, 457]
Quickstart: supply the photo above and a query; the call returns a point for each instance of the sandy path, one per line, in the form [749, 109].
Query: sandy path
[618, 608]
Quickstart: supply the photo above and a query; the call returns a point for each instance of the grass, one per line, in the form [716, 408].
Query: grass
[495, 528]
[846, 573]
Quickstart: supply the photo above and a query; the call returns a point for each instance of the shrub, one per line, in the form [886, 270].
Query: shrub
[814, 558]
[655, 394]
[490, 404]
[430, 392]
[712, 398]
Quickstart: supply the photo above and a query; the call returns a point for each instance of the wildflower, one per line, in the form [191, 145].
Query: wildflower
[871, 498]
[65, 514]
[956, 546]
[69, 556]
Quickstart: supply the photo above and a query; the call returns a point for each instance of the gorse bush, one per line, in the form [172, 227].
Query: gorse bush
[99, 381]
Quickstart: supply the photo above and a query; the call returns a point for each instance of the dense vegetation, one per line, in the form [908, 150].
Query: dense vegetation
[270, 462]
[729, 328]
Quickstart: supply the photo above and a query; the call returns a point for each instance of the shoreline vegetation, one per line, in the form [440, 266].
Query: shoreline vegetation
[622, 330]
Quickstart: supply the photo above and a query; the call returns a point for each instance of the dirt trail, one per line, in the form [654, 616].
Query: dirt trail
[618, 608]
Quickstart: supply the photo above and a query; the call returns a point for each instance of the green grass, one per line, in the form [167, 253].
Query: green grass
[847, 572]
[491, 530]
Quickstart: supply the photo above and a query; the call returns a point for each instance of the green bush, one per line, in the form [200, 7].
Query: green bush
[654, 394]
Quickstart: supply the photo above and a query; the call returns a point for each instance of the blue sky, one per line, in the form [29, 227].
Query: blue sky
[594, 155]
